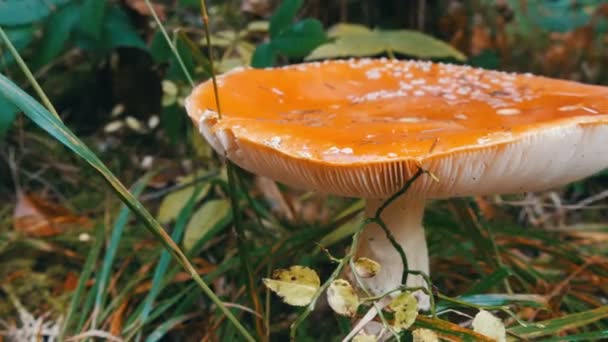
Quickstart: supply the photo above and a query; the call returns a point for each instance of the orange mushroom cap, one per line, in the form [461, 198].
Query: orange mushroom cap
[361, 127]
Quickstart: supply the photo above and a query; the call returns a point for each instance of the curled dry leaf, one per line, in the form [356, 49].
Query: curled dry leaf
[424, 335]
[366, 267]
[296, 285]
[342, 298]
[487, 324]
[35, 216]
[405, 307]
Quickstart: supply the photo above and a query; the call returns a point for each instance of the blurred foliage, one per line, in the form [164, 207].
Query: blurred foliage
[116, 83]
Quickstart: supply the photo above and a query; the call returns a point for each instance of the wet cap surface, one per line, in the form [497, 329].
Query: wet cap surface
[391, 116]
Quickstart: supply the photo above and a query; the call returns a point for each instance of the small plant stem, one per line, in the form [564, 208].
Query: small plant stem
[28, 74]
[243, 249]
[208, 39]
[484, 224]
[378, 309]
[389, 235]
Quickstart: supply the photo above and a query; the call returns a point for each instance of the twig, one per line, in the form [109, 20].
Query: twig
[208, 39]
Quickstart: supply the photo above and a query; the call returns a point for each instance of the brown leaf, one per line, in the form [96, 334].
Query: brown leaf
[69, 284]
[260, 8]
[117, 320]
[140, 7]
[34, 216]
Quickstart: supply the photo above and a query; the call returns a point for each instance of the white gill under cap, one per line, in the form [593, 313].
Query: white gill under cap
[338, 130]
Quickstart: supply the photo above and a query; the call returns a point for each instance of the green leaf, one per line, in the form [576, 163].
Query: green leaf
[19, 12]
[57, 33]
[210, 214]
[353, 40]
[283, 16]
[162, 329]
[590, 336]
[159, 49]
[119, 32]
[299, 39]
[296, 285]
[553, 326]
[264, 56]
[489, 281]
[8, 112]
[91, 18]
[504, 299]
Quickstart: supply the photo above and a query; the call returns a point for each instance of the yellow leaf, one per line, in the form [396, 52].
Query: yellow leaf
[366, 267]
[173, 203]
[296, 285]
[204, 219]
[342, 298]
[405, 307]
[487, 324]
[424, 335]
[363, 337]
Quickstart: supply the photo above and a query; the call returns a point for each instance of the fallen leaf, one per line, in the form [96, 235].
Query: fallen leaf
[117, 320]
[342, 298]
[296, 285]
[366, 267]
[489, 325]
[173, 203]
[424, 335]
[204, 219]
[405, 307]
[363, 337]
[34, 216]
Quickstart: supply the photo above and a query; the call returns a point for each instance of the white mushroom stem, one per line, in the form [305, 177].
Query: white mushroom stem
[403, 217]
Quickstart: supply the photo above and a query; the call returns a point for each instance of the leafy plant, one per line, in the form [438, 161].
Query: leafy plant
[353, 40]
[294, 40]
[94, 26]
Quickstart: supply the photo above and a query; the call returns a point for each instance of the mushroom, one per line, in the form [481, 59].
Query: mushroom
[363, 127]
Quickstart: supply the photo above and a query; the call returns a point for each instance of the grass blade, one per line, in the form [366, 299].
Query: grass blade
[84, 276]
[119, 226]
[163, 263]
[555, 325]
[52, 125]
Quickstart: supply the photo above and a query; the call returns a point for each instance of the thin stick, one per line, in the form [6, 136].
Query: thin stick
[208, 39]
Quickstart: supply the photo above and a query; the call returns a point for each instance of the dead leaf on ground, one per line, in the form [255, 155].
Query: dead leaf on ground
[35, 216]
